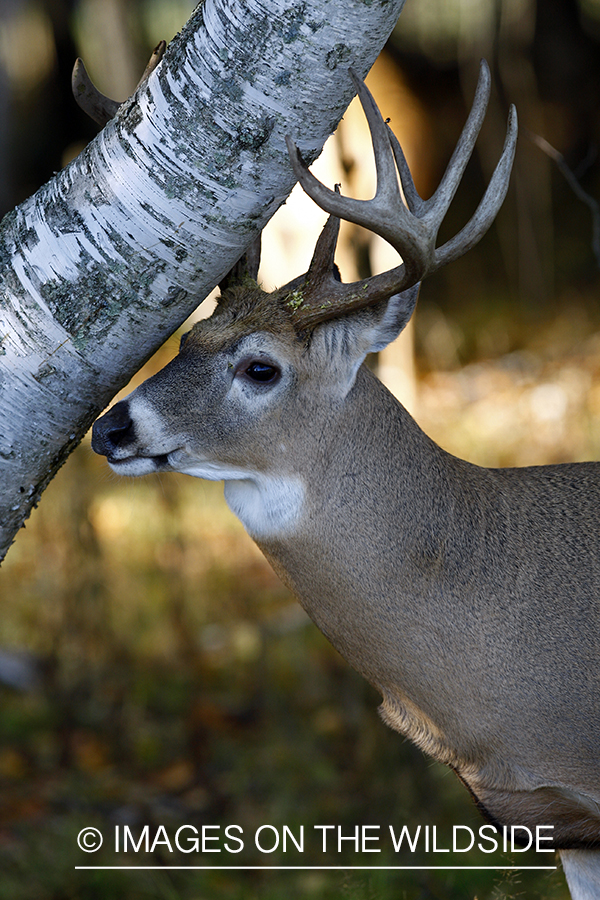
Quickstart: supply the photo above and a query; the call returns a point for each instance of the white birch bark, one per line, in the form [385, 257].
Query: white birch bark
[107, 259]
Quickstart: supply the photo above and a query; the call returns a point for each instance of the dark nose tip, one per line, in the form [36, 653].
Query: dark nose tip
[113, 430]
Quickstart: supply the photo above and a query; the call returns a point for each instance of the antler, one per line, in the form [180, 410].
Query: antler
[410, 228]
[97, 105]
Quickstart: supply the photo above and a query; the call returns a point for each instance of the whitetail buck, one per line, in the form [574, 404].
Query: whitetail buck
[469, 597]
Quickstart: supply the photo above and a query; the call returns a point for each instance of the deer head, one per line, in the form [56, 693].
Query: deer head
[265, 361]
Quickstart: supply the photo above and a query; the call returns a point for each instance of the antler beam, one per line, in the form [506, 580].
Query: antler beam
[410, 226]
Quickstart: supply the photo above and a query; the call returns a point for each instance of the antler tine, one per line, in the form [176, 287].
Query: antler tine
[490, 203]
[323, 258]
[386, 213]
[97, 105]
[322, 276]
[344, 207]
[387, 179]
[247, 266]
[438, 203]
[155, 57]
[415, 202]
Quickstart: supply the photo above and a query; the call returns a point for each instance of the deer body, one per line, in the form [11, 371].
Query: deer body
[457, 591]
[437, 616]
[469, 597]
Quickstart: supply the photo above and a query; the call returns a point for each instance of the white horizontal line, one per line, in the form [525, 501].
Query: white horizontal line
[337, 868]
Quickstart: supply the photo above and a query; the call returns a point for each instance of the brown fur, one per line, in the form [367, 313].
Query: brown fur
[243, 309]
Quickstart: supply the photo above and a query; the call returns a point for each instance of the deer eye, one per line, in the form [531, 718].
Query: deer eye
[261, 372]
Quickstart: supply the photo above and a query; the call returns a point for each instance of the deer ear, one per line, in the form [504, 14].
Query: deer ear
[394, 317]
[347, 340]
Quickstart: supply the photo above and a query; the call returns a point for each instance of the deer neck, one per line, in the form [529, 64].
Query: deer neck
[380, 502]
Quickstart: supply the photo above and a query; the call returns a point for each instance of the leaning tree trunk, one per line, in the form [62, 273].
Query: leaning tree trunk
[110, 257]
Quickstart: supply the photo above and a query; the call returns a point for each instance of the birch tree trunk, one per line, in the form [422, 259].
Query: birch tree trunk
[110, 257]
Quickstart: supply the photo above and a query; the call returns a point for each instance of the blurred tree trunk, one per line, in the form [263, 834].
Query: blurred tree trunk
[111, 256]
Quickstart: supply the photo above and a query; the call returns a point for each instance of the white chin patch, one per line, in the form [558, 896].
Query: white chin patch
[134, 466]
[201, 468]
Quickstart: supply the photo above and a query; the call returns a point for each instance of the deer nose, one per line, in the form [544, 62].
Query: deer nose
[114, 430]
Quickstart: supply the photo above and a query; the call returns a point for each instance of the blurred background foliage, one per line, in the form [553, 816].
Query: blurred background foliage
[154, 671]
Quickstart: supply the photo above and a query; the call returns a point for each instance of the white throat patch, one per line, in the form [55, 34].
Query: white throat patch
[267, 505]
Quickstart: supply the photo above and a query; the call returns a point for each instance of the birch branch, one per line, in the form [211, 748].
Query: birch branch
[569, 175]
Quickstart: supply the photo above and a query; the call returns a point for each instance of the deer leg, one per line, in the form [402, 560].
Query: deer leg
[582, 871]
